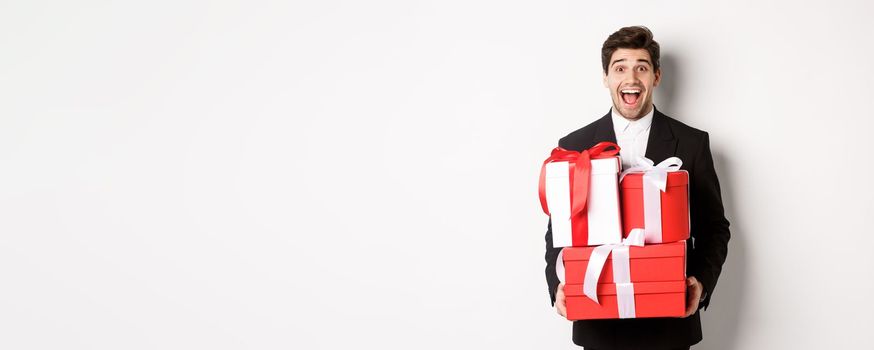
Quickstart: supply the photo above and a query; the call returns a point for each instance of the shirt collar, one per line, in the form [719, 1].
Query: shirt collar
[621, 125]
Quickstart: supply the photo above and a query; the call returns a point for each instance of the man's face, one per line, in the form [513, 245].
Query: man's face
[631, 79]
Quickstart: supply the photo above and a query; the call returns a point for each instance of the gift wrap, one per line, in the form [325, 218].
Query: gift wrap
[651, 299]
[580, 193]
[627, 280]
[656, 198]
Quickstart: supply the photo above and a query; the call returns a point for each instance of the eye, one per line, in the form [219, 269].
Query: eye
[620, 69]
[641, 69]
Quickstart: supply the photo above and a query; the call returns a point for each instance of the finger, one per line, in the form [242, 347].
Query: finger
[560, 301]
[691, 308]
[691, 302]
[697, 288]
[560, 307]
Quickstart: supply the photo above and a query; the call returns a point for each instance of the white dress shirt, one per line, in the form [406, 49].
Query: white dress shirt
[631, 136]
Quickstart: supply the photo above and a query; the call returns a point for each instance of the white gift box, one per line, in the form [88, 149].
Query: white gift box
[600, 222]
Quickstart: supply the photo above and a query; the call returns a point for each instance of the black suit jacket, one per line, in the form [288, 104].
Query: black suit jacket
[706, 251]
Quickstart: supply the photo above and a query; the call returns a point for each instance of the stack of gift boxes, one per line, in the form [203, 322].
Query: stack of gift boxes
[623, 233]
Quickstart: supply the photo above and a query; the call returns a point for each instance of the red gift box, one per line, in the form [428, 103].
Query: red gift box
[651, 299]
[657, 272]
[674, 205]
[651, 263]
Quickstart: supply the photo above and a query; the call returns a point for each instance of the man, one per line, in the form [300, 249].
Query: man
[630, 59]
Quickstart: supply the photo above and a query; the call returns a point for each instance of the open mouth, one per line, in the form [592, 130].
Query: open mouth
[630, 96]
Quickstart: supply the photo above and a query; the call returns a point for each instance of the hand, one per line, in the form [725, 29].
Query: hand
[693, 295]
[560, 306]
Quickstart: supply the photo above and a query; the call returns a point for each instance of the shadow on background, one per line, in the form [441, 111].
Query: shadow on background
[721, 320]
[666, 93]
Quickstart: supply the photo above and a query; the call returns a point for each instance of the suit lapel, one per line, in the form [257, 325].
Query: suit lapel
[604, 131]
[661, 144]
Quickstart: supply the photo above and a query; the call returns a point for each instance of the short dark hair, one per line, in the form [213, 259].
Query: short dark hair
[637, 37]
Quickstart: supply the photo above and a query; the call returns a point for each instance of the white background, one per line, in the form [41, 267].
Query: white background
[338, 175]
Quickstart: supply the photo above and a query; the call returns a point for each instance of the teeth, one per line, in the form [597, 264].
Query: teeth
[630, 91]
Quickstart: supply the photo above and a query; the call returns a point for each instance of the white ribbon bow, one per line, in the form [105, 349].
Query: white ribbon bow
[621, 271]
[655, 180]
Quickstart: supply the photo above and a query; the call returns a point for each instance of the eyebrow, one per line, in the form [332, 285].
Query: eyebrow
[622, 60]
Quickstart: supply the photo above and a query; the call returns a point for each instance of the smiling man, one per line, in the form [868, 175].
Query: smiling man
[630, 75]
[630, 60]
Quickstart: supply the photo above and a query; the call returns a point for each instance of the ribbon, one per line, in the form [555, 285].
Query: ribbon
[582, 168]
[655, 181]
[621, 271]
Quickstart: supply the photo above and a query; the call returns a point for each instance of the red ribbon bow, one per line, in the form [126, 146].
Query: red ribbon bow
[582, 169]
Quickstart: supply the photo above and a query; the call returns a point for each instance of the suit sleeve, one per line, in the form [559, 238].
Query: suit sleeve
[710, 231]
[551, 256]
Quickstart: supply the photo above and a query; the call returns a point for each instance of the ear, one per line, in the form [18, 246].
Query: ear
[605, 81]
[658, 77]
